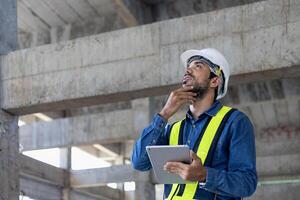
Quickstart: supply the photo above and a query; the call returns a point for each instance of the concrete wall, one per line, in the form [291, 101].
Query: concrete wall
[8, 26]
[70, 74]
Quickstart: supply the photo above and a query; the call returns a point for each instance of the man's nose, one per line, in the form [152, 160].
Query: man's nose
[188, 70]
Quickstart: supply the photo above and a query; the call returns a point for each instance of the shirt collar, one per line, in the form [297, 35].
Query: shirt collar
[212, 111]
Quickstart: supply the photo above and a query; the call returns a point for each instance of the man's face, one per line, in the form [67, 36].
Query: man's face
[197, 75]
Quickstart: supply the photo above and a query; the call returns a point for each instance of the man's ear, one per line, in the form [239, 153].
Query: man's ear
[215, 82]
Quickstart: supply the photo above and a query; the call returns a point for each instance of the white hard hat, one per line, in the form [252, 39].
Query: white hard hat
[216, 58]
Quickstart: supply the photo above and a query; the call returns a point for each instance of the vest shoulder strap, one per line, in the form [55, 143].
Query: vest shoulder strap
[211, 133]
[176, 132]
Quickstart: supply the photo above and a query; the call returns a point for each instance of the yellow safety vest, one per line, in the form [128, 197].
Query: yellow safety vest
[202, 151]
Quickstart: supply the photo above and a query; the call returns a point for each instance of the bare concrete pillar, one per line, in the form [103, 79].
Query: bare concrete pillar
[144, 190]
[8, 26]
[65, 163]
[120, 160]
[141, 114]
[9, 153]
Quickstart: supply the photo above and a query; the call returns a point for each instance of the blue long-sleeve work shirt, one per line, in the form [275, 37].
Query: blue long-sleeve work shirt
[232, 174]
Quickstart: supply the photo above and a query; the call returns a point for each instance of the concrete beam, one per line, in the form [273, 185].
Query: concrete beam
[110, 152]
[103, 191]
[70, 70]
[267, 166]
[39, 180]
[42, 171]
[87, 129]
[78, 195]
[265, 91]
[277, 191]
[278, 144]
[8, 26]
[113, 174]
[9, 151]
[101, 128]
[278, 165]
[39, 189]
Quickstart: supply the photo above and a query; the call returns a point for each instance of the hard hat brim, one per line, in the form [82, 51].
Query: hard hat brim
[185, 56]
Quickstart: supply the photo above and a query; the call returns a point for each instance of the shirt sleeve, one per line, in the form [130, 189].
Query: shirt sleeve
[154, 134]
[240, 179]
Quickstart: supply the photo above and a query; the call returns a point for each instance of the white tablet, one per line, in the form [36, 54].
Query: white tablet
[159, 155]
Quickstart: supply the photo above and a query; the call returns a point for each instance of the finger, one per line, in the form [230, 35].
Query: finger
[180, 98]
[185, 95]
[186, 100]
[188, 93]
[186, 88]
[175, 171]
[178, 171]
[195, 157]
[178, 165]
[174, 168]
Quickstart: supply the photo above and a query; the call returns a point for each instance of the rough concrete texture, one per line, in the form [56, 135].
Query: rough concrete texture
[123, 105]
[87, 129]
[109, 17]
[289, 191]
[247, 94]
[102, 191]
[278, 165]
[65, 24]
[102, 128]
[167, 9]
[78, 195]
[37, 189]
[9, 154]
[82, 71]
[8, 26]
[276, 119]
[34, 168]
[33, 39]
[113, 174]
[272, 160]
[95, 128]
[144, 190]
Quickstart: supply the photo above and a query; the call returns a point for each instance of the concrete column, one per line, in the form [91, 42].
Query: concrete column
[9, 153]
[120, 160]
[8, 26]
[141, 114]
[65, 163]
[144, 190]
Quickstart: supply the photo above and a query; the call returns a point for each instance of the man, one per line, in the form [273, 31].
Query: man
[221, 139]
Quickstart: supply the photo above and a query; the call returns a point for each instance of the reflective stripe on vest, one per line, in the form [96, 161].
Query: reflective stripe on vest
[202, 151]
[174, 138]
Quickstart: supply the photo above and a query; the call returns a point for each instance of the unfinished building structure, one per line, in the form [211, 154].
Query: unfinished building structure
[100, 69]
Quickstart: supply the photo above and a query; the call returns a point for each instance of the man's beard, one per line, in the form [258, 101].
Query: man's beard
[200, 89]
